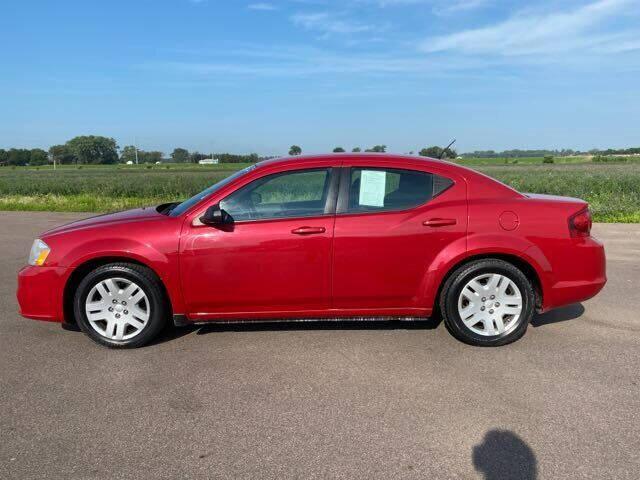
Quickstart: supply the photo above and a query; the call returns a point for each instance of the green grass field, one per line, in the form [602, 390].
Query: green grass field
[612, 188]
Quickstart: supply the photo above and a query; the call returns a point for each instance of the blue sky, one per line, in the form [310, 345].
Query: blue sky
[247, 76]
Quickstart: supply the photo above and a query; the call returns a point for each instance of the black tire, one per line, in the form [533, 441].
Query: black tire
[452, 289]
[146, 279]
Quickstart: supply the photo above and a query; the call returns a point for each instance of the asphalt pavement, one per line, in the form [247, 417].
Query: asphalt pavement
[329, 400]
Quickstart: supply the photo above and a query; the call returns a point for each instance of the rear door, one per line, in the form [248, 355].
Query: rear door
[391, 224]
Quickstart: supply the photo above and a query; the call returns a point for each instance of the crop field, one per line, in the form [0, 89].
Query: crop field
[612, 188]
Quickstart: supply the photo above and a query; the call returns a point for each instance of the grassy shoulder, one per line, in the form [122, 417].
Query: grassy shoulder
[74, 203]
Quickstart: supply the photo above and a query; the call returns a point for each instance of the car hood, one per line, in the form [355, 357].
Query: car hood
[135, 215]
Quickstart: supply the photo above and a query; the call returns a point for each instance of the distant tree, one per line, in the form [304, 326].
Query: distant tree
[38, 157]
[234, 158]
[4, 157]
[435, 152]
[295, 150]
[356, 150]
[152, 157]
[128, 154]
[180, 155]
[62, 154]
[94, 149]
[18, 156]
[195, 157]
[338, 150]
[377, 149]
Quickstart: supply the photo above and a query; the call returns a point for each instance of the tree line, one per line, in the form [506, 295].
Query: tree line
[94, 149]
[433, 152]
[98, 150]
[565, 152]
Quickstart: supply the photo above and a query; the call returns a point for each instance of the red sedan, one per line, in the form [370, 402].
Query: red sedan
[333, 236]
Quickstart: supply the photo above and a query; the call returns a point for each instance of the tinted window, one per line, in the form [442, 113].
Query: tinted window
[293, 194]
[376, 189]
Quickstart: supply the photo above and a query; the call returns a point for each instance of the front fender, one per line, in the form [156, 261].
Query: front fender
[117, 247]
[165, 265]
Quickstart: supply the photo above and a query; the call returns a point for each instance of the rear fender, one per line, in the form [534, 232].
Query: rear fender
[456, 254]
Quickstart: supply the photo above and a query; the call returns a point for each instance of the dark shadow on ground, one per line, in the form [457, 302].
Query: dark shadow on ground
[503, 455]
[559, 315]
[563, 314]
[172, 333]
[259, 326]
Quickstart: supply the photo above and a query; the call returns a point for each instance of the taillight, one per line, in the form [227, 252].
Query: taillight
[580, 223]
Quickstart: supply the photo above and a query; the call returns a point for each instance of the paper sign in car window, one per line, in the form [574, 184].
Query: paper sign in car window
[372, 188]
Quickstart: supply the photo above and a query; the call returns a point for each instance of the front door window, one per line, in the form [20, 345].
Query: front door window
[284, 195]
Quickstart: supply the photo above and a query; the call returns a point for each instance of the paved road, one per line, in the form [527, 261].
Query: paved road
[323, 401]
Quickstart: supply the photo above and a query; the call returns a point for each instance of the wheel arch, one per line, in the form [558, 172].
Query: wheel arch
[525, 265]
[82, 269]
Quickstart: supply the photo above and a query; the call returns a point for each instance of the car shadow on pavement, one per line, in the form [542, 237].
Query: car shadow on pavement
[563, 314]
[558, 315]
[259, 326]
[503, 455]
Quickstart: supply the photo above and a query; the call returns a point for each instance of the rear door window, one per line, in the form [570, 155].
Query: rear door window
[381, 189]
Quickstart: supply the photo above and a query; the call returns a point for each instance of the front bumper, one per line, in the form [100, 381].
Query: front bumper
[40, 291]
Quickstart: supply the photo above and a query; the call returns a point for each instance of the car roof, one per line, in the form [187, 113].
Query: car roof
[302, 159]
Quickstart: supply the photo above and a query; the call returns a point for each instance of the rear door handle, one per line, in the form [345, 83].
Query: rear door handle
[439, 222]
[308, 230]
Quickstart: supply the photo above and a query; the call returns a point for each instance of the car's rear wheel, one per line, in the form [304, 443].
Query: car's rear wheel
[121, 305]
[487, 302]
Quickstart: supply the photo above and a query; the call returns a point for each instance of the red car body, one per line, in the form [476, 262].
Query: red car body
[386, 264]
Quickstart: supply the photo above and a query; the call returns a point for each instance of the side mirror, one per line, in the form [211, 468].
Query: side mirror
[215, 216]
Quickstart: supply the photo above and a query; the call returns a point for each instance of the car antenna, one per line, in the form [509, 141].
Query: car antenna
[445, 149]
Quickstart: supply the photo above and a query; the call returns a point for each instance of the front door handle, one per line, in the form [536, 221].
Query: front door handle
[439, 222]
[308, 230]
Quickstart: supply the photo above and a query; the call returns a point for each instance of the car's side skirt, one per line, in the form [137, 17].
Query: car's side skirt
[330, 316]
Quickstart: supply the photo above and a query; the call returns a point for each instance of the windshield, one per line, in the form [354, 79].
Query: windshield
[187, 204]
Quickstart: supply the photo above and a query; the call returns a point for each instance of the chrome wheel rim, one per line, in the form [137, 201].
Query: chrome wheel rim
[490, 305]
[117, 308]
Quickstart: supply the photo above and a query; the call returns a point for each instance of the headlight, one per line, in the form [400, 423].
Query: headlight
[39, 252]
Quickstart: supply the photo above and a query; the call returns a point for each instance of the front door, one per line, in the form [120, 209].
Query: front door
[274, 258]
[390, 226]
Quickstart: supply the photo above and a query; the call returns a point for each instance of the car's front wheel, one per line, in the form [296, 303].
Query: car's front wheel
[487, 302]
[120, 305]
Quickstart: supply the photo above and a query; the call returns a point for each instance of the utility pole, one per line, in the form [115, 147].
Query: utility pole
[135, 142]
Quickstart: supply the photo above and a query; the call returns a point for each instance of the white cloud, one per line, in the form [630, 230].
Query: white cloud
[458, 6]
[549, 33]
[328, 24]
[290, 61]
[262, 6]
[440, 7]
